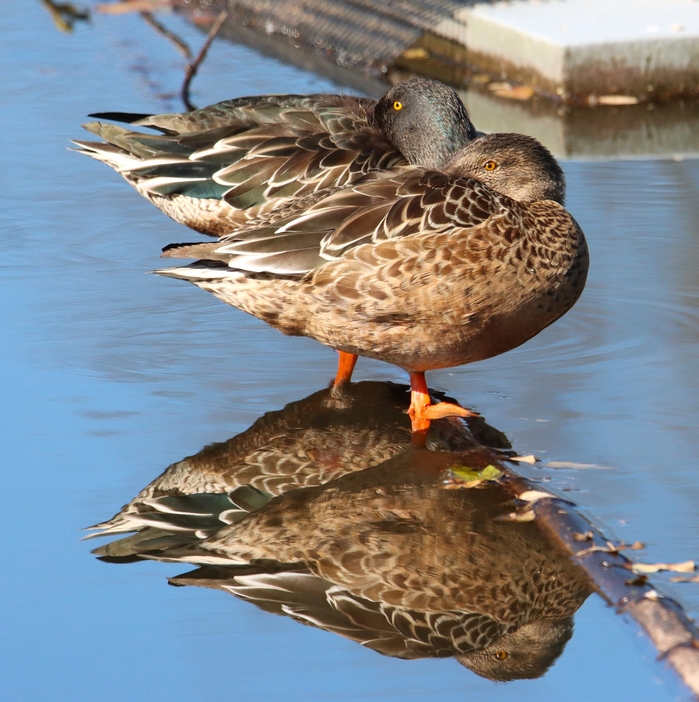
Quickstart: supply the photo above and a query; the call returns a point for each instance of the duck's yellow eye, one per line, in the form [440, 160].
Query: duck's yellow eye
[500, 655]
[397, 105]
[490, 166]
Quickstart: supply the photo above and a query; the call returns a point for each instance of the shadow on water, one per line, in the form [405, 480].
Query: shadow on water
[323, 512]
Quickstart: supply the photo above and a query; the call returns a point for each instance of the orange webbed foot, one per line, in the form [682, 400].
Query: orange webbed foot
[422, 411]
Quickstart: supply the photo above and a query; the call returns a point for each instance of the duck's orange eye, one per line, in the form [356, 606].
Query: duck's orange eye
[490, 166]
[500, 655]
[397, 105]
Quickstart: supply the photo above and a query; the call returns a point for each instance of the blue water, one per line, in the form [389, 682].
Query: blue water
[110, 374]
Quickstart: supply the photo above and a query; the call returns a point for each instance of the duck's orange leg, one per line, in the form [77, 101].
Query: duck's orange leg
[422, 411]
[345, 366]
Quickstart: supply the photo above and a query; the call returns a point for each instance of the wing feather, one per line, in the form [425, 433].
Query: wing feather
[407, 202]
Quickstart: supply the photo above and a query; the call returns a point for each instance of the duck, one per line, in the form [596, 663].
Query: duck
[421, 268]
[392, 556]
[251, 160]
[433, 571]
[307, 443]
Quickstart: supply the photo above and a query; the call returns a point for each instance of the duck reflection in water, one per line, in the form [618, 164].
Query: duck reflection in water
[326, 513]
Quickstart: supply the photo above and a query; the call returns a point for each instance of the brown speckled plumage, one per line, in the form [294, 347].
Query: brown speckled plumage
[307, 443]
[394, 534]
[389, 555]
[415, 267]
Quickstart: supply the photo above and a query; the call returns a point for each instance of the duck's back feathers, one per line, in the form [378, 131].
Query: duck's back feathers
[228, 165]
[413, 267]
[243, 158]
[330, 113]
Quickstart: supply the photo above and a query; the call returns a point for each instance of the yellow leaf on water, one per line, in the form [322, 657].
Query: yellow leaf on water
[465, 476]
[464, 473]
[417, 53]
[490, 472]
[617, 100]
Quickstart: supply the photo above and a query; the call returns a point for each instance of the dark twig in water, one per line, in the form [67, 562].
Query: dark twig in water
[65, 14]
[193, 66]
[161, 29]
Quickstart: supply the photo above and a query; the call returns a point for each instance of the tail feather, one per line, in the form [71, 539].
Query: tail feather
[200, 271]
[205, 250]
[124, 117]
[113, 156]
[139, 144]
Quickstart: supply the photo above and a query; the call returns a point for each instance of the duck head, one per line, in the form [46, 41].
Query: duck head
[512, 164]
[526, 653]
[425, 120]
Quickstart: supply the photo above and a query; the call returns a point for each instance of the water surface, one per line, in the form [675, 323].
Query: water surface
[110, 375]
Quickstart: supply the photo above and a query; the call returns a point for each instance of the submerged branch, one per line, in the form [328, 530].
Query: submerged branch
[180, 44]
[611, 574]
[193, 66]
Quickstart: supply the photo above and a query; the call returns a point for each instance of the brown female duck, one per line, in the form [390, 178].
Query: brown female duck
[247, 159]
[390, 558]
[419, 268]
[324, 513]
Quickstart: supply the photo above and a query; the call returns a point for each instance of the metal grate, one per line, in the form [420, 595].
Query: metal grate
[352, 33]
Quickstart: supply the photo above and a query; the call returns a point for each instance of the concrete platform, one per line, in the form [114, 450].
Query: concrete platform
[642, 48]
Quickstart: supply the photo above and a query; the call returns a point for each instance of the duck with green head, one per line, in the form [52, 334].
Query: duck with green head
[246, 160]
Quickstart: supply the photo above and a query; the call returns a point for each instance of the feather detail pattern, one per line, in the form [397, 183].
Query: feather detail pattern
[419, 268]
[224, 166]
